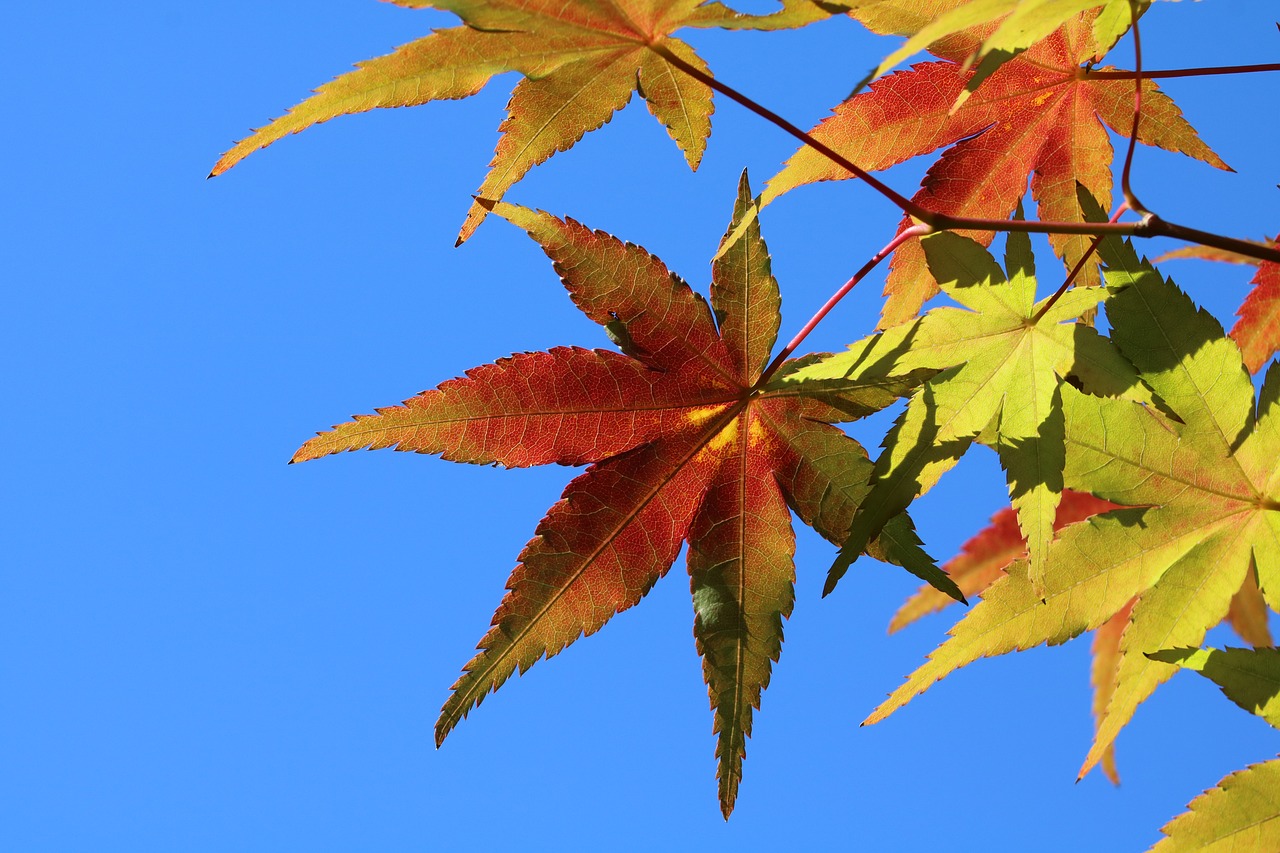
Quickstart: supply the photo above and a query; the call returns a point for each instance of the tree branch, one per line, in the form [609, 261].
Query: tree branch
[1125, 187]
[1090, 74]
[1149, 226]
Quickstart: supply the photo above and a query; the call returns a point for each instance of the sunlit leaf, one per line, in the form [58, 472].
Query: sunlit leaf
[1257, 330]
[580, 60]
[1038, 119]
[686, 439]
[1004, 365]
[1204, 488]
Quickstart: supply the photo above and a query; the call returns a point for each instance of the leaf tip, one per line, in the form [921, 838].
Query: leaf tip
[302, 454]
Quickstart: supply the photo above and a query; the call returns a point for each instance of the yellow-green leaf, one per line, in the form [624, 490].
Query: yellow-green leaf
[1009, 26]
[1241, 814]
[580, 59]
[1248, 677]
[1203, 488]
[1002, 368]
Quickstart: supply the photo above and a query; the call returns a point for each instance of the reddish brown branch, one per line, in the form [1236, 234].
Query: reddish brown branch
[1078, 268]
[1149, 226]
[1169, 74]
[770, 116]
[1126, 188]
[904, 236]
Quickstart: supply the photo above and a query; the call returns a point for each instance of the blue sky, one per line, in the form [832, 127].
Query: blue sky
[202, 648]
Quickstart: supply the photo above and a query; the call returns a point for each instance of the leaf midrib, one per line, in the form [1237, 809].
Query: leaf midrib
[735, 395]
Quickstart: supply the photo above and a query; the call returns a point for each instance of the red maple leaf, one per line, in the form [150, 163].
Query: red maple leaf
[687, 438]
[1039, 116]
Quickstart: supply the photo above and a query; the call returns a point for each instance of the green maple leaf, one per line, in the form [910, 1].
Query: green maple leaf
[1003, 367]
[1248, 677]
[1203, 488]
[1243, 811]
[1257, 329]
[1039, 120]
[986, 557]
[686, 441]
[581, 62]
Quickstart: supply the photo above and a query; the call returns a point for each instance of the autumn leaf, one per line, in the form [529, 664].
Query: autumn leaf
[1243, 811]
[1257, 329]
[1039, 117]
[1004, 361]
[687, 440]
[995, 30]
[985, 557]
[1248, 677]
[1202, 489]
[581, 62]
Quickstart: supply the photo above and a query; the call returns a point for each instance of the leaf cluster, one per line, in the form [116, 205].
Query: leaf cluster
[1141, 466]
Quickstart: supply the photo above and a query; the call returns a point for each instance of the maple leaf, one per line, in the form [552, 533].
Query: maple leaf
[993, 31]
[1243, 811]
[986, 556]
[1039, 117]
[687, 441]
[1248, 677]
[1003, 362]
[581, 62]
[1257, 329]
[1202, 491]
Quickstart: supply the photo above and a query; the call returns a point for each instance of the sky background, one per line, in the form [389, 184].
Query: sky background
[202, 648]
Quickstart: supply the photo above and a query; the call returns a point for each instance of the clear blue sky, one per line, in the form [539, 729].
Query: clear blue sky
[202, 648]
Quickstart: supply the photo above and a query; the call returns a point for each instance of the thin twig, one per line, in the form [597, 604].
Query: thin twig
[1149, 226]
[1078, 268]
[1125, 188]
[1169, 74]
[902, 237]
[770, 116]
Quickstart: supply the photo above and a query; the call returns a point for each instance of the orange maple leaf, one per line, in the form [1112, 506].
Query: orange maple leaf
[581, 62]
[1039, 116]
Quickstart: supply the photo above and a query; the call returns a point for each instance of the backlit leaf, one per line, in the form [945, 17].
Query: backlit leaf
[1241, 814]
[1003, 368]
[1006, 27]
[1257, 330]
[686, 441]
[1203, 489]
[1248, 677]
[580, 60]
[983, 558]
[1039, 118]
